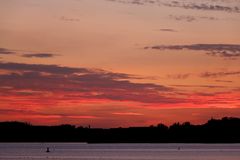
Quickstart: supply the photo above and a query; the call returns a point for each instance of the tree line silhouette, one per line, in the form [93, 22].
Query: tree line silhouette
[225, 130]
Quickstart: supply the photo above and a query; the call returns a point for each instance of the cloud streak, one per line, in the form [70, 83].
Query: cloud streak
[223, 81]
[39, 55]
[219, 74]
[45, 115]
[200, 86]
[167, 30]
[63, 18]
[210, 6]
[217, 50]
[189, 18]
[178, 76]
[207, 5]
[6, 51]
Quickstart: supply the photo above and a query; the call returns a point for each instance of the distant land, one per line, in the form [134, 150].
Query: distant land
[225, 130]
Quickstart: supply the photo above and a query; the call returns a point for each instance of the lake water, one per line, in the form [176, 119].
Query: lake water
[80, 151]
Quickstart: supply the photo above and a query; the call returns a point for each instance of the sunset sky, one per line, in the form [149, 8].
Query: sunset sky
[112, 63]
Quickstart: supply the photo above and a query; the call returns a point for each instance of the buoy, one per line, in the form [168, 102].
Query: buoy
[47, 150]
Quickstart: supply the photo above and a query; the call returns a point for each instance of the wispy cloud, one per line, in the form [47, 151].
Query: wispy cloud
[63, 18]
[207, 5]
[53, 69]
[39, 55]
[6, 51]
[167, 30]
[45, 115]
[219, 74]
[28, 54]
[183, 18]
[137, 2]
[190, 18]
[219, 50]
[199, 5]
[199, 86]
[178, 76]
[224, 81]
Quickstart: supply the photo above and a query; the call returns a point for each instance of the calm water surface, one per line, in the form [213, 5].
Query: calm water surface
[78, 151]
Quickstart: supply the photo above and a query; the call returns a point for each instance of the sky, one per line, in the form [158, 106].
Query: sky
[119, 63]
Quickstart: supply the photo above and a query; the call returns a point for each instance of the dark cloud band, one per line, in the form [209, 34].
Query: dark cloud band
[81, 83]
